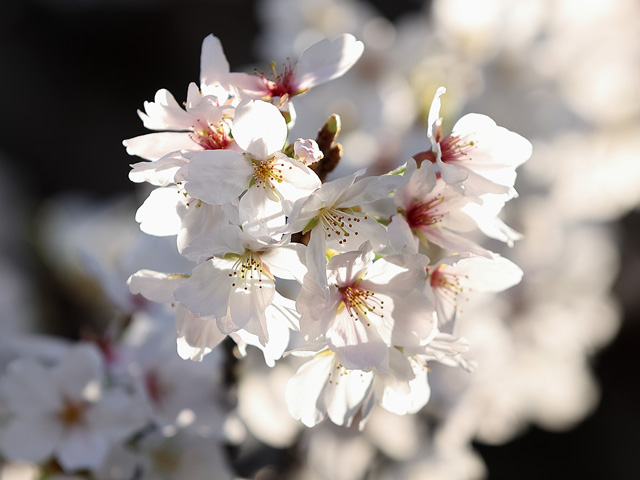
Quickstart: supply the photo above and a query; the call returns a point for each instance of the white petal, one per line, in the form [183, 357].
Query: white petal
[218, 176]
[30, 439]
[358, 345]
[155, 286]
[259, 129]
[160, 172]
[316, 257]
[370, 189]
[165, 113]
[118, 415]
[326, 60]
[29, 389]
[196, 336]
[81, 365]
[206, 292]
[344, 394]
[396, 273]
[158, 215]
[81, 449]
[154, 146]
[261, 210]
[401, 237]
[287, 261]
[304, 389]
[434, 113]
[213, 62]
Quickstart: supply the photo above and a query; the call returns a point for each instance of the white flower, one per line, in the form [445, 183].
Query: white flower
[430, 211]
[370, 306]
[202, 125]
[333, 217]
[237, 284]
[272, 181]
[61, 411]
[477, 152]
[322, 386]
[321, 62]
[455, 275]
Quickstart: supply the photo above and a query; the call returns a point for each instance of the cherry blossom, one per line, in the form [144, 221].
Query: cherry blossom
[477, 152]
[63, 412]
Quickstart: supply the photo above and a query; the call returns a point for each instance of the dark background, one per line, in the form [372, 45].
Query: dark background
[73, 74]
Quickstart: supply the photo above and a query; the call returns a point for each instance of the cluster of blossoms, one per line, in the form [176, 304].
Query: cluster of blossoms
[380, 262]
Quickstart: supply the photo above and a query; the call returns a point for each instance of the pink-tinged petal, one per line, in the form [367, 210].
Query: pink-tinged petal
[81, 449]
[30, 439]
[358, 344]
[307, 151]
[306, 386]
[259, 129]
[396, 273]
[154, 146]
[401, 237]
[287, 261]
[29, 389]
[206, 292]
[434, 114]
[155, 286]
[165, 113]
[161, 172]
[218, 176]
[158, 215]
[419, 187]
[326, 60]
[196, 336]
[213, 62]
[82, 365]
[250, 86]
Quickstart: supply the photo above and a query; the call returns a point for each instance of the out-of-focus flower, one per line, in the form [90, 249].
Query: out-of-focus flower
[63, 412]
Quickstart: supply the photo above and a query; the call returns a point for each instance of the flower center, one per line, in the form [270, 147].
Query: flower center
[455, 149]
[212, 137]
[72, 413]
[425, 214]
[338, 224]
[281, 85]
[265, 172]
[360, 302]
[249, 269]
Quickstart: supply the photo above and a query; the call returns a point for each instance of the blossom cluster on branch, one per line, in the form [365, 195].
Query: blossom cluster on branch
[378, 263]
